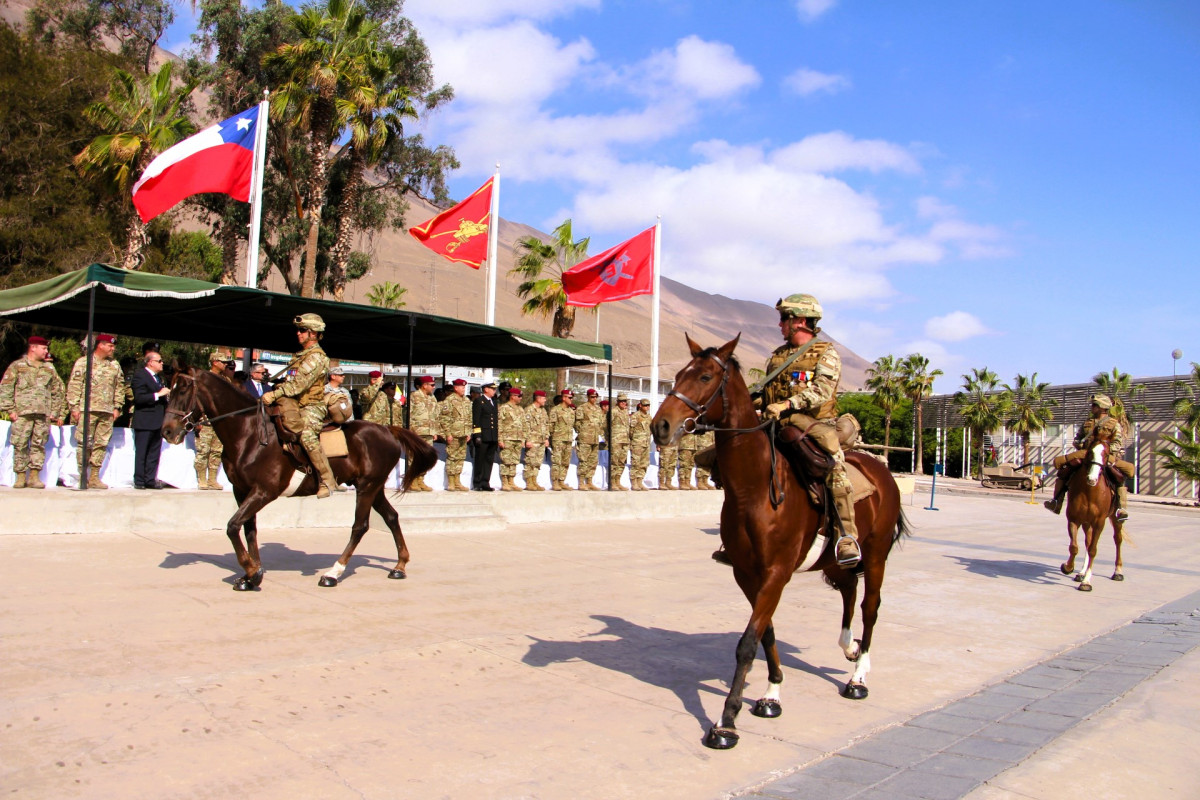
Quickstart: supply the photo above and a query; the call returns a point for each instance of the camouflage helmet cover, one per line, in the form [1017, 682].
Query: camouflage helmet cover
[310, 322]
[1102, 400]
[799, 305]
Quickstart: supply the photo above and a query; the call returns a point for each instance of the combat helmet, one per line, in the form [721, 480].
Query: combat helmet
[309, 322]
[799, 305]
[1102, 401]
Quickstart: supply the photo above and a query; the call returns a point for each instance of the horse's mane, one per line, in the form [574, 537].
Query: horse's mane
[236, 393]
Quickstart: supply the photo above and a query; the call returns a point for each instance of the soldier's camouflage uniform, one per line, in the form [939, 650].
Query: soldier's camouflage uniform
[618, 446]
[209, 448]
[703, 442]
[454, 421]
[589, 422]
[376, 405]
[307, 386]
[562, 433]
[33, 392]
[512, 439]
[668, 459]
[423, 415]
[108, 393]
[639, 444]
[687, 460]
[537, 433]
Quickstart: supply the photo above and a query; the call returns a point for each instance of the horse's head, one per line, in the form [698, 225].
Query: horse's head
[182, 409]
[699, 393]
[1098, 454]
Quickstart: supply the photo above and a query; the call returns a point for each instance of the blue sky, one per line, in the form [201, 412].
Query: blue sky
[1011, 185]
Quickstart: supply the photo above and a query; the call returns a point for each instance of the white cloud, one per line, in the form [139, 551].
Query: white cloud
[698, 69]
[834, 151]
[811, 9]
[955, 327]
[805, 82]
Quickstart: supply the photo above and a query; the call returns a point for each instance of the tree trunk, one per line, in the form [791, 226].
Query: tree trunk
[920, 468]
[887, 431]
[318, 152]
[229, 247]
[135, 243]
[340, 257]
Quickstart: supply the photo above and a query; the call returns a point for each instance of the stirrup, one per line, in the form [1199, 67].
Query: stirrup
[848, 560]
[1122, 515]
[721, 557]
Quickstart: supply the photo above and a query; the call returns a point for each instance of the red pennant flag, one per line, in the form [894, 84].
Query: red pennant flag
[460, 233]
[618, 273]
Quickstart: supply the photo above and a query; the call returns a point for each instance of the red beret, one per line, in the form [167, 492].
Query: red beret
[37, 340]
[539, 393]
[106, 337]
[604, 403]
[567, 393]
[459, 382]
[514, 392]
[593, 393]
[374, 374]
[424, 379]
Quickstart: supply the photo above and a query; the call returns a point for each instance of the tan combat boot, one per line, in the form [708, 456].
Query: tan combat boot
[329, 483]
[19, 483]
[848, 553]
[512, 483]
[566, 487]
[1055, 503]
[213, 483]
[686, 486]
[94, 481]
[421, 486]
[456, 484]
[505, 483]
[201, 479]
[531, 483]
[34, 481]
[1122, 501]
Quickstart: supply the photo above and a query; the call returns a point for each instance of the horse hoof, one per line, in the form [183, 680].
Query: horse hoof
[1065, 570]
[397, 575]
[855, 691]
[1084, 587]
[767, 709]
[1078, 577]
[1118, 576]
[720, 738]
[327, 581]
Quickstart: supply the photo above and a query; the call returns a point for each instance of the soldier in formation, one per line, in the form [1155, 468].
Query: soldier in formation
[512, 439]
[589, 423]
[423, 420]
[687, 460]
[668, 459]
[562, 434]
[208, 447]
[704, 441]
[1100, 423]
[454, 422]
[104, 405]
[375, 404]
[618, 443]
[33, 397]
[639, 443]
[302, 397]
[537, 439]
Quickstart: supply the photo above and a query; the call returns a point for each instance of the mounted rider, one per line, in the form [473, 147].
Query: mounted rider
[804, 394]
[1101, 424]
[302, 397]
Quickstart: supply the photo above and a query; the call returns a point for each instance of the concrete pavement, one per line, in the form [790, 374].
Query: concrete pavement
[575, 658]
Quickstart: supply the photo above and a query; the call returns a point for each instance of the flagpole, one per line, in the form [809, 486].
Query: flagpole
[654, 314]
[493, 248]
[260, 159]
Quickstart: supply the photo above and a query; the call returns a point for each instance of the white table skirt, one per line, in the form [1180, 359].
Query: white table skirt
[176, 464]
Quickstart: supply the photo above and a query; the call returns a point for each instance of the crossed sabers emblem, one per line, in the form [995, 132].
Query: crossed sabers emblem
[466, 230]
[615, 270]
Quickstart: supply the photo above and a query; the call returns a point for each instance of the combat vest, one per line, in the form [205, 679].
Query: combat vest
[796, 377]
[316, 368]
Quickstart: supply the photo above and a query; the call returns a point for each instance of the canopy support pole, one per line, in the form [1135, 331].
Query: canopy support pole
[87, 390]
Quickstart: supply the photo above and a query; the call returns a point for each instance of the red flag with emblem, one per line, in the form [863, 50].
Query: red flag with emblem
[460, 233]
[618, 273]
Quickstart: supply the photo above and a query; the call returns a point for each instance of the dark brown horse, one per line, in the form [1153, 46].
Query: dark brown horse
[261, 471]
[770, 528]
[1089, 506]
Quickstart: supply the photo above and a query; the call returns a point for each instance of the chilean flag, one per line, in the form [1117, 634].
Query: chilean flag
[218, 159]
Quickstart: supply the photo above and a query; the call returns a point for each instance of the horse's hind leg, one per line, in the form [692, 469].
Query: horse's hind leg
[1118, 540]
[392, 519]
[768, 706]
[846, 582]
[856, 689]
[362, 520]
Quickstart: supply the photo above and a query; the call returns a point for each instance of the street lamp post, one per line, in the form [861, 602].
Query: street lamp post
[1176, 354]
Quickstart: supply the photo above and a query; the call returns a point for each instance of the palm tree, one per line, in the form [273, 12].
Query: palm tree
[329, 78]
[141, 117]
[1185, 463]
[386, 295]
[918, 384]
[1120, 387]
[883, 378]
[980, 405]
[1187, 408]
[1030, 409]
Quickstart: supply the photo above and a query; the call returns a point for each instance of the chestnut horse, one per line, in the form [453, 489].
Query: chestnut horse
[770, 527]
[260, 471]
[1089, 505]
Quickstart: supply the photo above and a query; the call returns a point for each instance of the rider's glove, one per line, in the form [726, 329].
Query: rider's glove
[268, 398]
[775, 409]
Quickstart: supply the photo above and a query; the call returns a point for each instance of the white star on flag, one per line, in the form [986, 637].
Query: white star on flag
[243, 124]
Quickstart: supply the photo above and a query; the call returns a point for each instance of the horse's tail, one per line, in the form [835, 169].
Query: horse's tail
[903, 528]
[421, 455]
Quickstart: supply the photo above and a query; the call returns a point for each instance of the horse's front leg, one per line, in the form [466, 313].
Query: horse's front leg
[392, 520]
[247, 556]
[362, 521]
[1092, 533]
[768, 706]
[1068, 566]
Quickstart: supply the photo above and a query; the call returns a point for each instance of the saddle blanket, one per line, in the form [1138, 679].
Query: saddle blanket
[859, 485]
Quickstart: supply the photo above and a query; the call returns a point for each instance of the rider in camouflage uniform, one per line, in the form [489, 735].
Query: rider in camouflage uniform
[455, 423]
[423, 420]
[305, 410]
[511, 426]
[108, 394]
[639, 442]
[208, 447]
[805, 395]
[32, 396]
[589, 423]
[562, 433]
[1101, 421]
[618, 446]
[537, 439]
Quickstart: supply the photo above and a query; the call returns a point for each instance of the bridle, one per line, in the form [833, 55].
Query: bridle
[203, 419]
[696, 423]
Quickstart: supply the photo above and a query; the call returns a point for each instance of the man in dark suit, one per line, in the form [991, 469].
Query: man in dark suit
[485, 434]
[256, 383]
[149, 405]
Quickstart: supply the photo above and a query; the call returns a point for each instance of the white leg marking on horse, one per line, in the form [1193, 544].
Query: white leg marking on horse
[862, 667]
[848, 645]
[772, 691]
[336, 571]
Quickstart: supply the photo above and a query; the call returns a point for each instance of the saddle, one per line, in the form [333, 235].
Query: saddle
[285, 415]
[1116, 474]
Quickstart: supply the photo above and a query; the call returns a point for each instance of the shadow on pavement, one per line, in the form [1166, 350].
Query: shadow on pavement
[1030, 571]
[278, 556]
[681, 662]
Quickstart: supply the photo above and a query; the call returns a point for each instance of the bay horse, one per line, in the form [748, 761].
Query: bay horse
[770, 528]
[260, 471]
[1089, 506]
